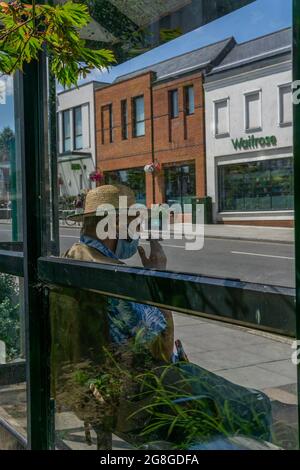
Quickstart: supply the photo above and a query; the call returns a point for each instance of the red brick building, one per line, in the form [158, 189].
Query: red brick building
[156, 116]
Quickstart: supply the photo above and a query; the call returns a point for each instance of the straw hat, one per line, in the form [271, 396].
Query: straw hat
[106, 194]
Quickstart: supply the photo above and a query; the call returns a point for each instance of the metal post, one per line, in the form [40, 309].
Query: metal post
[34, 194]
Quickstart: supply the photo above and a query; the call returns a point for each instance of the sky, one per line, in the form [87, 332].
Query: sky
[259, 18]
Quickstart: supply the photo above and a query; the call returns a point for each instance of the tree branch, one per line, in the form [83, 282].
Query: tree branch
[19, 26]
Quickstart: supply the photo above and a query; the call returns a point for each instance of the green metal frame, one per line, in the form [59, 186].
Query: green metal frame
[227, 300]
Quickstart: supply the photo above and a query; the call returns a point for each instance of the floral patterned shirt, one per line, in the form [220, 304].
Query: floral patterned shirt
[129, 319]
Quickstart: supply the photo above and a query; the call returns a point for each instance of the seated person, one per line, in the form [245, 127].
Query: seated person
[125, 318]
[99, 343]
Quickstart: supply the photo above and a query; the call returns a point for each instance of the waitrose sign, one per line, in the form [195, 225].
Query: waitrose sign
[253, 142]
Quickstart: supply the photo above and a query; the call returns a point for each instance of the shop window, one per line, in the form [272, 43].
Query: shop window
[134, 178]
[222, 118]
[285, 105]
[78, 136]
[66, 131]
[173, 102]
[189, 99]
[253, 120]
[256, 186]
[124, 119]
[138, 116]
[180, 184]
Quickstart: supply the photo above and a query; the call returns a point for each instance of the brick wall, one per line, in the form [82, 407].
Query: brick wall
[135, 151]
[181, 139]
[178, 140]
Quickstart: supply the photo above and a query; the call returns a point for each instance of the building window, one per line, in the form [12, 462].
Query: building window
[138, 116]
[256, 186]
[134, 178]
[180, 184]
[111, 123]
[173, 103]
[77, 117]
[222, 118]
[285, 105]
[107, 124]
[66, 131]
[124, 119]
[189, 100]
[253, 120]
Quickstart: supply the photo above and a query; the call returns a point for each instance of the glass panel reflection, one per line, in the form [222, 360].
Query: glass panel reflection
[198, 130]
[258, 186]
[9, 442]
[177, 122]
[12, 354]
[10, 164]
[120, 381]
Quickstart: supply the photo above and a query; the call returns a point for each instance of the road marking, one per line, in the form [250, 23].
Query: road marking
[165, 245]
[261, 255]
[70, 236]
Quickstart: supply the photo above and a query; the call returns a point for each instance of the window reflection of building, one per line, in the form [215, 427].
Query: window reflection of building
[76, 138]
[163, 106]
[134, 178]
[180, 184]
[249, 137]
[264, 185]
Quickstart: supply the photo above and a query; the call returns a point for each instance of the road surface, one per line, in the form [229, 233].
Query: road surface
[260, 262]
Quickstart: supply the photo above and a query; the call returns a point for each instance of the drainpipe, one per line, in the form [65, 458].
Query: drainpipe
[152, 137]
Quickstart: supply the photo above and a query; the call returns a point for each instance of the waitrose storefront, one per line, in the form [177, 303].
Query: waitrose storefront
[260, 184]
[249, 134]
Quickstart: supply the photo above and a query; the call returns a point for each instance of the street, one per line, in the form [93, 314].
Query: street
[253, 261]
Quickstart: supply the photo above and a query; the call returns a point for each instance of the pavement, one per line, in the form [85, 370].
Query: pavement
[239, 232]
[243, 356]
[233, 232]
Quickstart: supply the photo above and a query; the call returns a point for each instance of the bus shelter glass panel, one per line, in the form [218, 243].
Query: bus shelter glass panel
[179, 159]
[192, 123]
[13, 407]
[130, 376]
[10, 164]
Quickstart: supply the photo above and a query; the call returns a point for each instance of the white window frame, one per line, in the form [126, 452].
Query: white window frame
[223, 134]
[280, 123]
[246, 95]
[74, 129]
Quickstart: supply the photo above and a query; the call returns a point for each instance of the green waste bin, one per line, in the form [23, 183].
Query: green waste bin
[207, 203]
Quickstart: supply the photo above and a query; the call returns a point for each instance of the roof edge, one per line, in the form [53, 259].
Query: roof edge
[120, 77]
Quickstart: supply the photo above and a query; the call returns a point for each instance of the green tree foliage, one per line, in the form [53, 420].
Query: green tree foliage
[9, 316]
[26, 30]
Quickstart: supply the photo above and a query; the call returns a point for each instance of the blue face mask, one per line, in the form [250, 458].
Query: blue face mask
[126, 249]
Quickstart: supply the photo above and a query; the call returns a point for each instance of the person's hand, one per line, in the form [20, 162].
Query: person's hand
[157, 258]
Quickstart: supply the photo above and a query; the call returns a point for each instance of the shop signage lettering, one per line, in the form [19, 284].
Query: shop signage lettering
[253, 142]
[75, 166]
